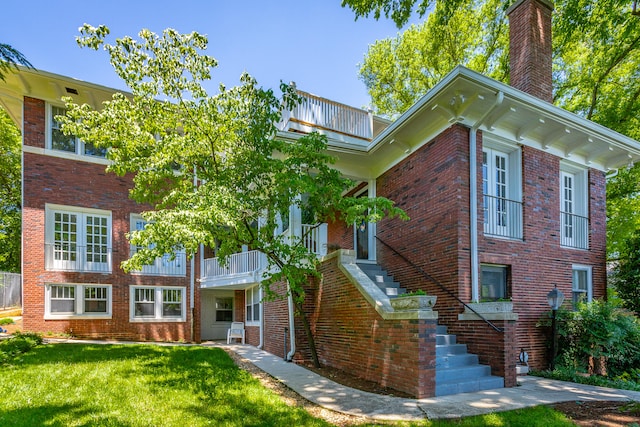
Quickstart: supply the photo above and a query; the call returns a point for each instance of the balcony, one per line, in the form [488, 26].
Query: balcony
[316, 113]
[69, 256]
[502, 217]
[164, 265]
[574, 231]
[245, 268]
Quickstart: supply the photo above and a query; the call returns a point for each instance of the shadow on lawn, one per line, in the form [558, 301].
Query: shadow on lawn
[53, 416]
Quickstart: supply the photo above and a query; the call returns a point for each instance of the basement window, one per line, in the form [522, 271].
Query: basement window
[493, 282]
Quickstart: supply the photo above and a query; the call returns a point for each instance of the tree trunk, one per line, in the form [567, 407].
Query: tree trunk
[307, 330]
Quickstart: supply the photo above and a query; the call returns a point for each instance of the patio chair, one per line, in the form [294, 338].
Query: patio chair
[235, 331]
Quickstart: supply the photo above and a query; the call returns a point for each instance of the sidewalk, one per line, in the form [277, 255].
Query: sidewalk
[531, 391]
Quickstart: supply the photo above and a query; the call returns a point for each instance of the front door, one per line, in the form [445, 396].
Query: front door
[217, 313]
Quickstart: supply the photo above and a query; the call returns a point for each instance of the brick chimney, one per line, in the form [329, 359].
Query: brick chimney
[530, 47]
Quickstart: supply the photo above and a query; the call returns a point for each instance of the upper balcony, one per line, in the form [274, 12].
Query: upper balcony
[246, 268]
[316, 113]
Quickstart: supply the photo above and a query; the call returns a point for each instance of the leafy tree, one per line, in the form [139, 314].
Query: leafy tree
[211, 166]
[399, 11]
[10, 195]
[9, 58]
[398, 71]
[626, 277]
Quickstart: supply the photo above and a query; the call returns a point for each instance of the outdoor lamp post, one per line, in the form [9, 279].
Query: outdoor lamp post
[555, 299]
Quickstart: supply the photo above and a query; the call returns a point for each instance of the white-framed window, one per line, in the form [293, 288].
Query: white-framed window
[224, 309]
[86, 300]
[158, 304]
[166, 265]
[252, 305]
[57, 140]
[493, 282]
[574, 211]
[77, 239]
[582, 287]
[501, 189]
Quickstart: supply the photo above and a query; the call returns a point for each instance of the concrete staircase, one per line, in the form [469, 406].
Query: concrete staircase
[458, 371]
[380, 277]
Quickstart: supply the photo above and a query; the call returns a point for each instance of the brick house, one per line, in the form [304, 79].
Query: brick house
[506, 195]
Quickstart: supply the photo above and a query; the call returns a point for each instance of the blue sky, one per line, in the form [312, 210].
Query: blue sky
[315, 43]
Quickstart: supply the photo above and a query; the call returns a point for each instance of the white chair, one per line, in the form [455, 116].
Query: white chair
[236, 331]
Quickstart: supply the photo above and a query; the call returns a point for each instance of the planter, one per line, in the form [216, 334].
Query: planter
[414, 302]
[491, 307]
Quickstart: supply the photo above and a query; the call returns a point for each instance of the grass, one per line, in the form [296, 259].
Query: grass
[149, 385]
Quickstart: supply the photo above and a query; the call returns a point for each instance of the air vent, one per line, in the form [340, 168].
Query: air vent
[71, 90]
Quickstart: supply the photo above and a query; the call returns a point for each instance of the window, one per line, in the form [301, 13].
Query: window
[493, 282]
[574, 220]
[157, 303]
[77, 239]
[224, 309]
[252, 304]
[581, 284]
[69, 143]
[166, 265]
[502, 205]
[74, 300]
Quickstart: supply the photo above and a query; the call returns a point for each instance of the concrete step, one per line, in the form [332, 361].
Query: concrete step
[445, 339]
[441, 330]
[469, 385]
[446, 350]
[456, 360]
[382, 279]
[462, 373]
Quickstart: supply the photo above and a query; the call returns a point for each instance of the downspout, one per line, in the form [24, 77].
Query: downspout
[292, 326]
[473, 195]
[192, 281]
[473, 208]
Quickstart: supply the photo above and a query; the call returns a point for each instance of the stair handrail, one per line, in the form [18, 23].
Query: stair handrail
[438, 283]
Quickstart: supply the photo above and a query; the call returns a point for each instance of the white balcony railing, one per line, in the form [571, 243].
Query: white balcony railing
[240, 263]
[314, 238]
[574, 231]
[325, 114]
[69, 256]
[165, 266]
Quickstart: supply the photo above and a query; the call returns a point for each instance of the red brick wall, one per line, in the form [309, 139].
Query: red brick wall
[530, 48]
[49, 179]
[352, 336]
[432, 186]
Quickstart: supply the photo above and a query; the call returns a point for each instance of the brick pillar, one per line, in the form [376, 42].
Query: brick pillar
[530, 47]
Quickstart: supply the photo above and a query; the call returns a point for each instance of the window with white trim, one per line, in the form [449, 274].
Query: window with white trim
[252, 305]
[581, 284]
[77, 239]
[574, 214]
[501, 189]
[166, 265]
[158, 303]
[59, 141]
[65, 300]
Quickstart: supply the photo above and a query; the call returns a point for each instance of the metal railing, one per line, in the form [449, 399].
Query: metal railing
[165, 265]
[323, 113]
[440, 285]
[10, 290]
[72, 257]
[574, 231]
[502, 217]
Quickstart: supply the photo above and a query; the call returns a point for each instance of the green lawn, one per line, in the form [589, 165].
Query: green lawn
[149, 385]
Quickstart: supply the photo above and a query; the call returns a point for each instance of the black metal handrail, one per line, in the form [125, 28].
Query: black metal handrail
[437, 282]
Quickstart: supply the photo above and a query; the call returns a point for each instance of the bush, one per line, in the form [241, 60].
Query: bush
[18, 344]
[6, 321]
[599, 338]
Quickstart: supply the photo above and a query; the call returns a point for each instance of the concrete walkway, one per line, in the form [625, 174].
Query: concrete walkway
[531, 391]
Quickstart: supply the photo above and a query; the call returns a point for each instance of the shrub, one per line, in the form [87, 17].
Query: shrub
[6, 321]
[599, 338]
[18, 344]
